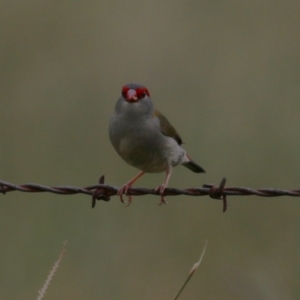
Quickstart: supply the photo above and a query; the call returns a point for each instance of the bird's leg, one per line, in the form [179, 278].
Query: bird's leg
[124, 188]
[163, 186]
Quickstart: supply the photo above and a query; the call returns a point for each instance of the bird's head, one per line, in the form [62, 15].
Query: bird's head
[134, 92]
[135, 99]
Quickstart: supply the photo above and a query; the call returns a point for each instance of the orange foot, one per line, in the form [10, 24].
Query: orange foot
[124, 190]
[161, 190]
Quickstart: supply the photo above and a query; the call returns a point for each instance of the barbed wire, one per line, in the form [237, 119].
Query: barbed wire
[103, 191]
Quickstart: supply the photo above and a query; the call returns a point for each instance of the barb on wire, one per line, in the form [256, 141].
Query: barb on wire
[103, 191]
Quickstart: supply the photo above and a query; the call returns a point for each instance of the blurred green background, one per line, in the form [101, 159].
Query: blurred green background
[225, 73]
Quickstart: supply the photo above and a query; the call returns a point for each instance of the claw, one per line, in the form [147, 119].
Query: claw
[124, 190]
[161, 190]
[129, 200]
[162, 201]
[162, 187]
[121, 198]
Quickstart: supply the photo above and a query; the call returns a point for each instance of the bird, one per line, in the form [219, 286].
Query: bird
[145, 139]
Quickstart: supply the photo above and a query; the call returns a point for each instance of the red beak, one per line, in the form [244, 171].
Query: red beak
[131, 95]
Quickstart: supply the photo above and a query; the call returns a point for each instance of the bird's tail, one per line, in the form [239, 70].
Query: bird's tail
[193, 167]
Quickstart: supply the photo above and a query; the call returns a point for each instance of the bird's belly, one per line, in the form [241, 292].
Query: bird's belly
[144, 155]
[149, 156]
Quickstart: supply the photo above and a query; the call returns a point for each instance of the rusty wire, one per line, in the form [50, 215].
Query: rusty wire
[103, 191]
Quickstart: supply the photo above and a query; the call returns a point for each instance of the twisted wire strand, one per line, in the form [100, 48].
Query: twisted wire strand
[103, 191]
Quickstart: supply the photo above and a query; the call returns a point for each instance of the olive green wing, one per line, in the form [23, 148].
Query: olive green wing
[166, 128]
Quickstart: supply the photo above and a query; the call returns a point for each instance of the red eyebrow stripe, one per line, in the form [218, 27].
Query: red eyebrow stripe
[140, 92]
[125, 89]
